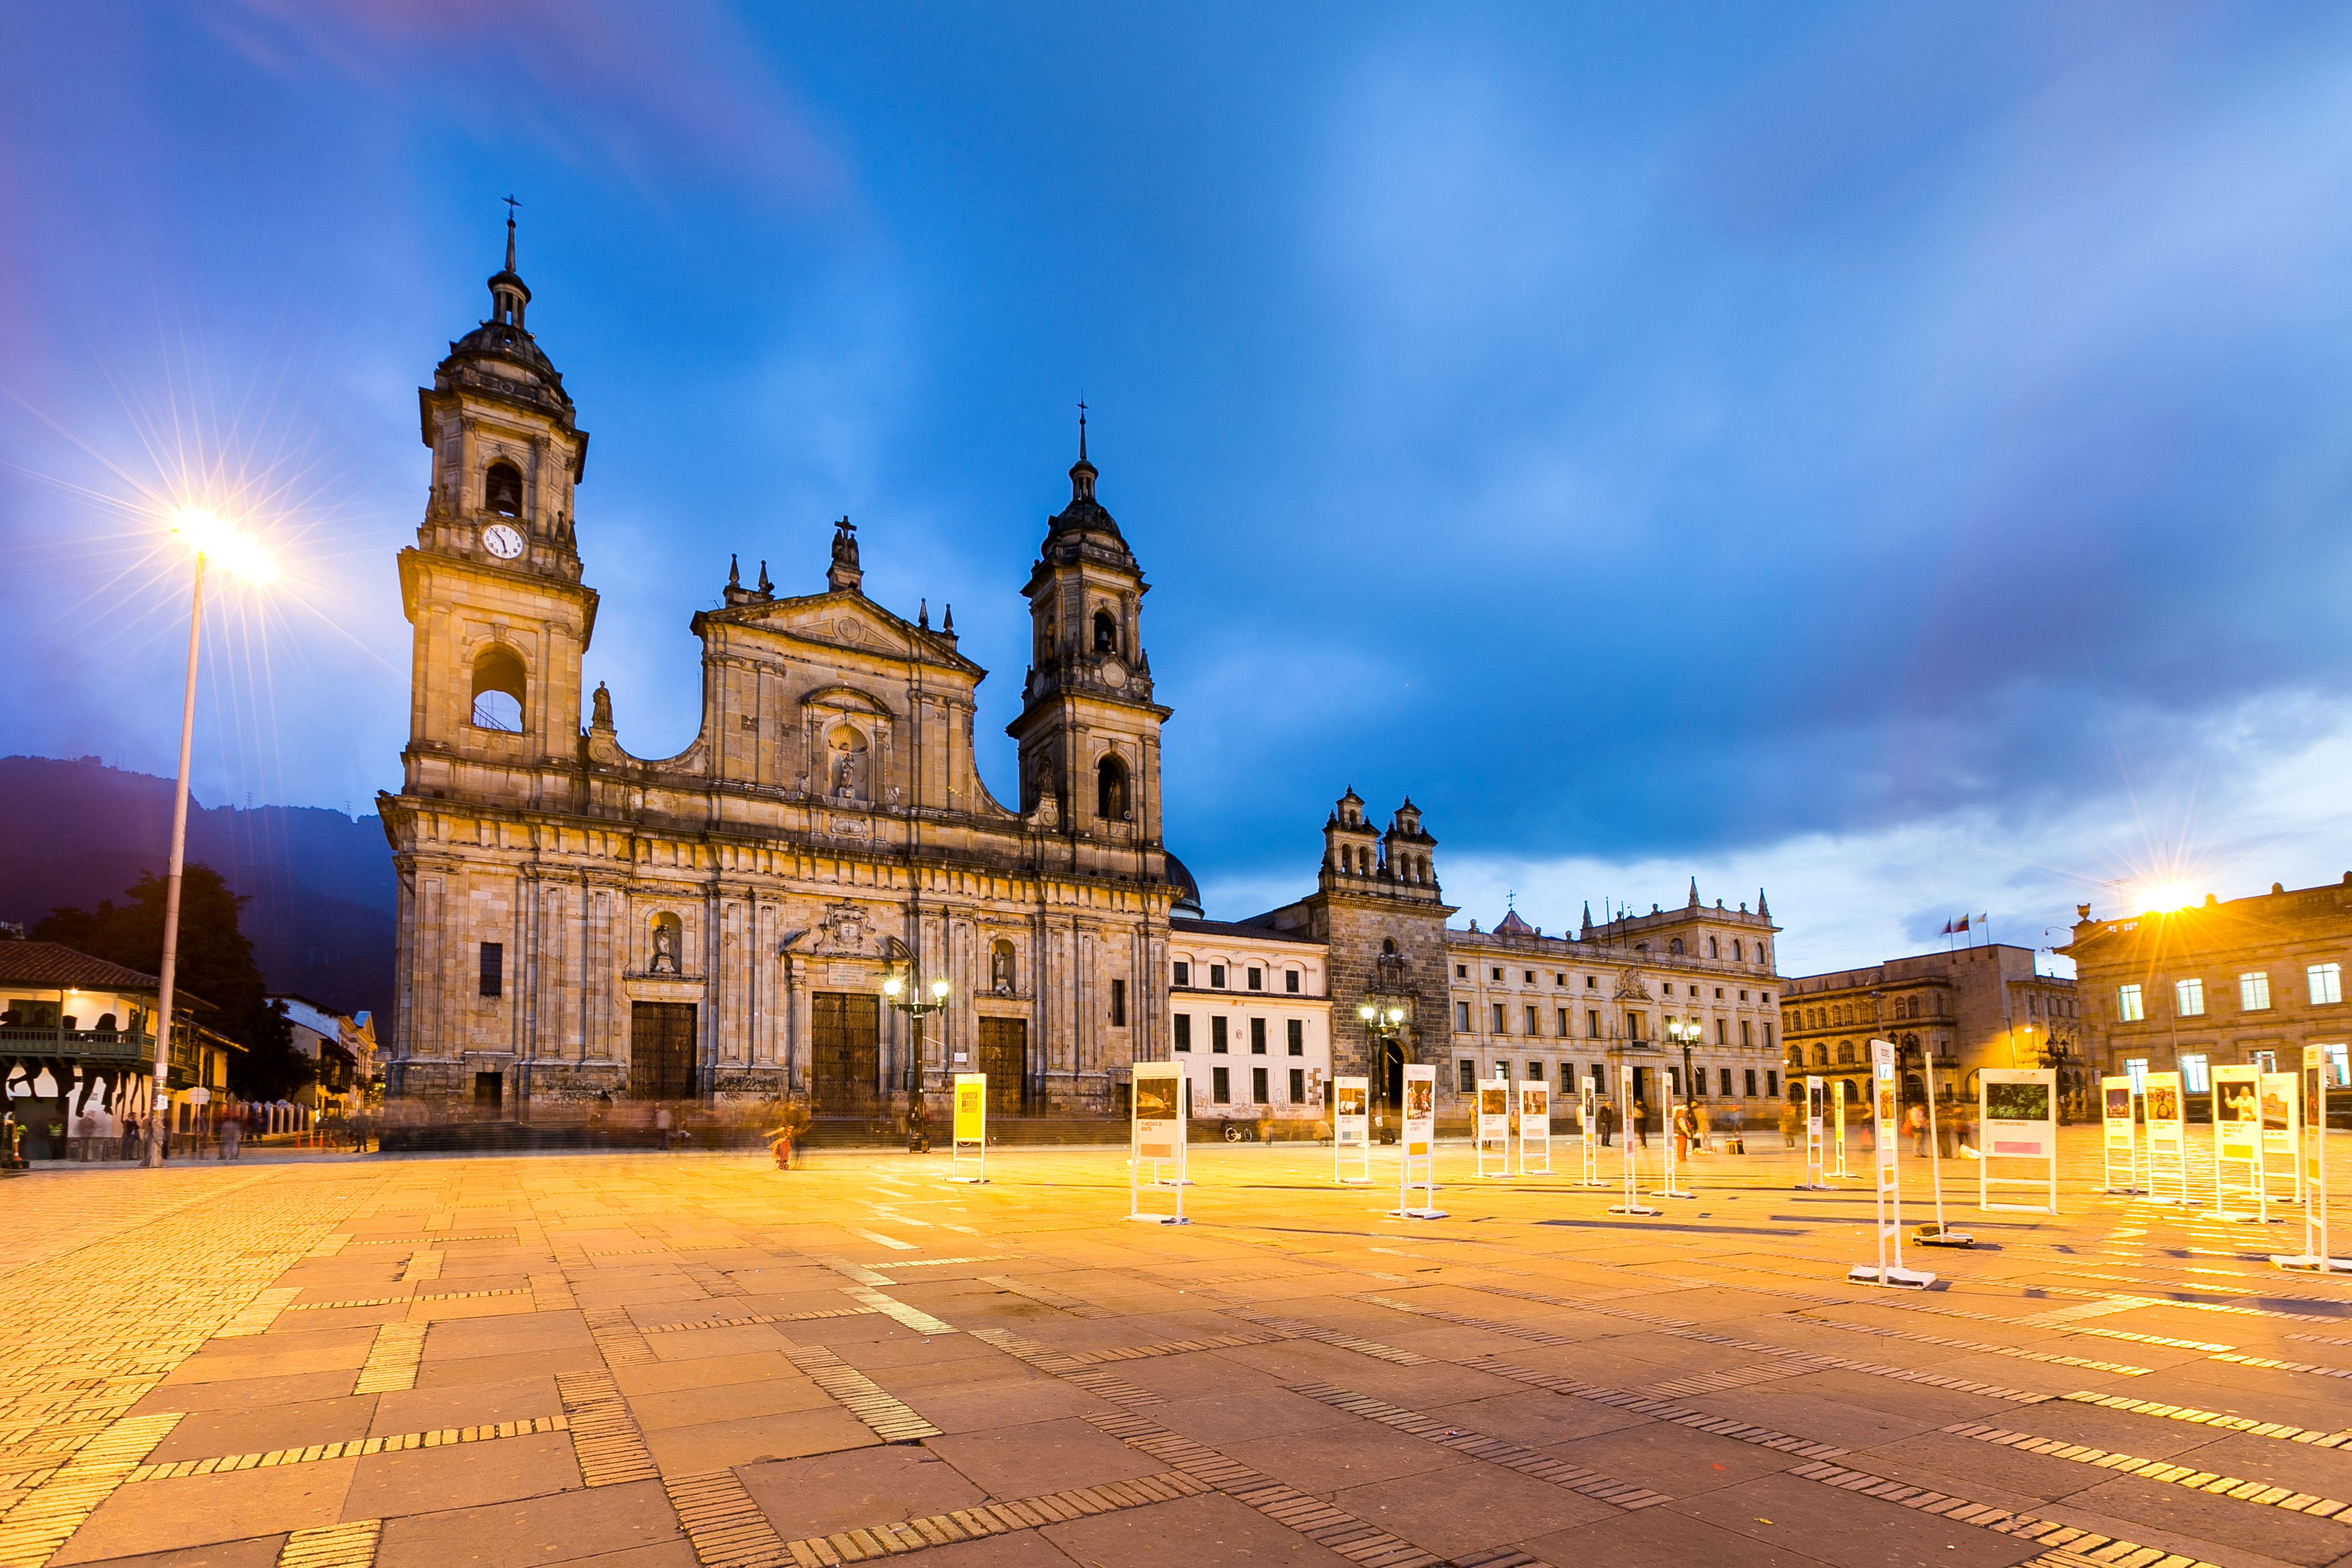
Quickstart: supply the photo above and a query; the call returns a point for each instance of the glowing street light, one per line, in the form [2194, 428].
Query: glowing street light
[209, 538]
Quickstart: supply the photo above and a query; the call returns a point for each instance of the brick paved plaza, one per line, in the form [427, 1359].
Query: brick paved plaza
[653, 1361]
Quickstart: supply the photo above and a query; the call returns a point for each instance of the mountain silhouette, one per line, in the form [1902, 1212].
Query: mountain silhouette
[73, 831]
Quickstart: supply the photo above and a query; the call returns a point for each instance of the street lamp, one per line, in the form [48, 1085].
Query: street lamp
[1382, 1023]
[209, 539]
[917, 1009]
[1686, 1033]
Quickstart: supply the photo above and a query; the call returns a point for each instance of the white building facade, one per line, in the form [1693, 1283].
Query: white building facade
[1249, 1015]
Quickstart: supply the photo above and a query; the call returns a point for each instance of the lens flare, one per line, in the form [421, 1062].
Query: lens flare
[204, 531]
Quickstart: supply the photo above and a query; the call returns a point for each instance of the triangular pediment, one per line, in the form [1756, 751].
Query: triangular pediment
[845, 620]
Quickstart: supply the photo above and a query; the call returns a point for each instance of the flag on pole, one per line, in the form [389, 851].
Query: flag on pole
[1958, 927]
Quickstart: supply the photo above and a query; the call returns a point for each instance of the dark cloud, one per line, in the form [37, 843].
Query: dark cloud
[1705, 437]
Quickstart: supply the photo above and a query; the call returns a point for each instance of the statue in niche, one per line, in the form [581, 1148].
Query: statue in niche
[665, 934]
[847, 768]
[1000, 969]
[601, 707]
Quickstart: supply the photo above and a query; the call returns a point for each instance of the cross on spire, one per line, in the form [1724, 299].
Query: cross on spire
[511, 204]
[1082, 428]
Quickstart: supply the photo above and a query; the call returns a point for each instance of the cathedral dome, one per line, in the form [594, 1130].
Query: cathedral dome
[1187, 888]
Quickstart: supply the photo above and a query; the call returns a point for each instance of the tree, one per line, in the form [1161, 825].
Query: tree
[217, 979]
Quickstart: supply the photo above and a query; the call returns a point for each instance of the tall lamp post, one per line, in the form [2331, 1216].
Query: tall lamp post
[1382, 1023]
[209, 539]
[1686, 1033]
[913, 1004]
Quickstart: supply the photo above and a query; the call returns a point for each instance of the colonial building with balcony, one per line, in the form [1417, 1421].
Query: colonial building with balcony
[1949, 1014]
[77, 1042]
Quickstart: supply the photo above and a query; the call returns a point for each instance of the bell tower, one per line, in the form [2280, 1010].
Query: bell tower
[1089, 733]
[492, 586]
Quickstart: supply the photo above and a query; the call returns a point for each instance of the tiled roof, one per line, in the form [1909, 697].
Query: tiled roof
[53, 963]
[1185, 925]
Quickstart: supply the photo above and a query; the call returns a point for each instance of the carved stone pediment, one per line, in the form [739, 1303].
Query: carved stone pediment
[1629, 987]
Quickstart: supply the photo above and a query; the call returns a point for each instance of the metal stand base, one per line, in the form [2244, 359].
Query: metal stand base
[1671, 1193]
[971, 1180]
[2311, 1263]
[1416, 1214]
[1815, 1187]
[1634, 1209]
[1158, 1219]
[1937, 1236]
[1901, 1279]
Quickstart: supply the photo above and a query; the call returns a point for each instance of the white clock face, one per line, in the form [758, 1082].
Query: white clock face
[502, 542]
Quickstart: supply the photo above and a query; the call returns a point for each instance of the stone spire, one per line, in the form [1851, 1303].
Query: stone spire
[1693, 896]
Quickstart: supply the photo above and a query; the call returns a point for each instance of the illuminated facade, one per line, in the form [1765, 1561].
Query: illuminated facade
[2231, 981]
[579, 923]
[1949, 1013]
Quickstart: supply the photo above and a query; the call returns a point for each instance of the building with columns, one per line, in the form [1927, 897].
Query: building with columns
[577, 921]
[1569, 1009]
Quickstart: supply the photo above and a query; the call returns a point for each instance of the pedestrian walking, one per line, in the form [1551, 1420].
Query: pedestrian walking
[1918, 1120]
[661, 1126]
[1606, 1120]
[1682, 1130]
[1639, 1130]
[131, 1137]
[232, 1134]
[1791, 1125]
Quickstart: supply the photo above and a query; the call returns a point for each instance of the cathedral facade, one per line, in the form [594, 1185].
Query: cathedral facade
[577, 922]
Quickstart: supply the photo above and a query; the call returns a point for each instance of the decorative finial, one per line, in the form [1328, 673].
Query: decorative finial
[766, 588]
[923, 615]
[946, 623]
[511, 204]
[1082, 472]
[734, 578]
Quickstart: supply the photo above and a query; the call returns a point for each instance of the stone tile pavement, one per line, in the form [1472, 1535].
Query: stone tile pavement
[664, 1361]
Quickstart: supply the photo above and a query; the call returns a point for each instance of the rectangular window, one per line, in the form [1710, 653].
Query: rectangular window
[1633, 1026]
[1183, 1031]
[1563, 1023]
[1530, 976]
[1535, 1023]
[2188, 998]
[1256, 978]
[1257, 1086]
[2255, 990]
[1721, 1036]
[1184, 973]
[1119, 1003]
[1593, 983]
[1297, 1030]
[1469, 1075]
[1568, 1077]
[1502, 1024]
[1221, 1087]
[1726, 1083]
[1771, 1083]
[494, 968]
[1747, 1036]
[1257, 1037]
[1216, 977]
[1768, 1037]
[1751, 1083]
[1297, 1086]
[1216, 1034]
[1461, 972]
[2327, 982]
[1290, 981]
[1462, 1016]
[2127, 1004]
[2194, 1075]
[1593, 1023]
[2136, 1070]
[1599, 1079]
[1496, 972]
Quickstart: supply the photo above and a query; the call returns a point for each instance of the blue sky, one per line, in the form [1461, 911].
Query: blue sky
[1896, 456]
